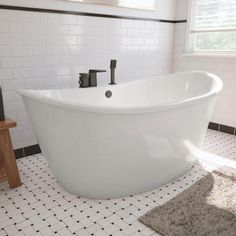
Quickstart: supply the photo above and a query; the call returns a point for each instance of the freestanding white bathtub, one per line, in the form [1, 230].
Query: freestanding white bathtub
[140, 138]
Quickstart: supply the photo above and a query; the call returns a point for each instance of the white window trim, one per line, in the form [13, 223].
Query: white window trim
[189, 39]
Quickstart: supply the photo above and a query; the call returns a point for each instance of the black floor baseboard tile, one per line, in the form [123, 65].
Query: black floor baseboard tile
[222, 128]
[227, 129]
[27, 151]
[213, 126]
[19, 153]
[31, 150]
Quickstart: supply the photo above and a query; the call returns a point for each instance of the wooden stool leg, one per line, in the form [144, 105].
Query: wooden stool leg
[9, 160]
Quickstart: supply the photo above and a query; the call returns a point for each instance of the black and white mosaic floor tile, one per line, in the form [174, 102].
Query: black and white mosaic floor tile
[41, 207]
[221, 144]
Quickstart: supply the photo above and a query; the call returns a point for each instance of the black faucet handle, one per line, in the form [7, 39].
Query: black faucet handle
[84, 80]
[113, 64]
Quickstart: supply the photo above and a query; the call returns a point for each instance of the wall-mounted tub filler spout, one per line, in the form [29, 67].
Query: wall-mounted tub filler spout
[113, 67]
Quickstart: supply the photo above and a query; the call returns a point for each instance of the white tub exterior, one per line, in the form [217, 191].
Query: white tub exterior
[135, 141]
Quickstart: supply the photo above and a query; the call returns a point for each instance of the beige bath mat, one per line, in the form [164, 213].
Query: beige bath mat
[207, 208]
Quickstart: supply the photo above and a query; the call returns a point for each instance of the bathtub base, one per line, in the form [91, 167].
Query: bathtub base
[124, 188]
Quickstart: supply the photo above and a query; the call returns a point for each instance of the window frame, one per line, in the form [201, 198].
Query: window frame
[189, 39]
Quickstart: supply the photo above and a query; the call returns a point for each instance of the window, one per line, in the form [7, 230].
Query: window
[212, 26]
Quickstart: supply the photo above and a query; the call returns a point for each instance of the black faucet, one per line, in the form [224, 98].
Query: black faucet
[89, 79]
[113, 67]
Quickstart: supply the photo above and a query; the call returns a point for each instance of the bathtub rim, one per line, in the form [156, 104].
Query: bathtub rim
[128, 110]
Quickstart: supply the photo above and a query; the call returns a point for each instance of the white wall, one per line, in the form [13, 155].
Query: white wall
[181, 9]
[225, 67]
[45, 50]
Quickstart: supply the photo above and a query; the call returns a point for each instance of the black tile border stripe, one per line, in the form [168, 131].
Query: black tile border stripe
[35, 149]
[222, 128]
[7, 7]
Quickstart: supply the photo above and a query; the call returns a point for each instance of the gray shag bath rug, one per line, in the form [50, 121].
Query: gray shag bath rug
[207, 208]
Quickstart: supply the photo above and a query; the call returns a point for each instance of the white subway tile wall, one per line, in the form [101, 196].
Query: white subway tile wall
[47, 50]
[224, 67]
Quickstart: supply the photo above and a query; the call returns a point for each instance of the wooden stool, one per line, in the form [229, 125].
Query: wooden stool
[8, 167]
